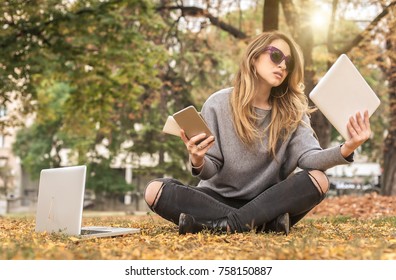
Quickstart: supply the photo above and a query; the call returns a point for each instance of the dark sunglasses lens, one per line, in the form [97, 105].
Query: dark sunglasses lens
[289, 64]
[276, 56]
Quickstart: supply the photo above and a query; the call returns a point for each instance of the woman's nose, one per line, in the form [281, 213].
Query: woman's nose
[282, 65]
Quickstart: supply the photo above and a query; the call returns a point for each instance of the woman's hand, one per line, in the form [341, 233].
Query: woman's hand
[359, 130]
[197, 151]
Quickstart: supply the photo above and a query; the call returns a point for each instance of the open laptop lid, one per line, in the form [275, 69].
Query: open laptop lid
[343, 92]
[60, 204]
[60, 200]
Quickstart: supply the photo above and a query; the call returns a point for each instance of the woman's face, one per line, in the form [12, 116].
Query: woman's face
[269, 72]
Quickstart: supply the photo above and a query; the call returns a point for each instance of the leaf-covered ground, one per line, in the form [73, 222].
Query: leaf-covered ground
[340, 228]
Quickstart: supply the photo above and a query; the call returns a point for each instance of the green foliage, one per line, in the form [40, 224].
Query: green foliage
[103, 88]
[102, 178]
[87, 67]
[39, 145]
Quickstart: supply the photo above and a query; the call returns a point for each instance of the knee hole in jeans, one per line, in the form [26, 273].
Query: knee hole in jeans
[153, 193]
[320, 180]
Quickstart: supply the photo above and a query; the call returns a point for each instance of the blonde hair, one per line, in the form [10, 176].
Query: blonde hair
[289, 103]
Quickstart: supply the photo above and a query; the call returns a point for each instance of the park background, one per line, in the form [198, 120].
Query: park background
[93, 82]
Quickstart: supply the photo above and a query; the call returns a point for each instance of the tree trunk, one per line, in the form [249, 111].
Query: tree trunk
[300, 27]
[305, 39]
[291, 16]
[271, 15]
[389, 175]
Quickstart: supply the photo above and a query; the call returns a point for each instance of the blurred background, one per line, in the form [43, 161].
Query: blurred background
[92, 82]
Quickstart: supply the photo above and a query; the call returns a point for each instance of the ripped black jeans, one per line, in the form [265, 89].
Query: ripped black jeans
[296, 195]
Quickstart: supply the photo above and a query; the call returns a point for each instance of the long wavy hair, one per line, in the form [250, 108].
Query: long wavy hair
[289, 103]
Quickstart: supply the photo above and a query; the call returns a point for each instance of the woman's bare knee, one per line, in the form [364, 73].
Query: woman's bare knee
[320, 180]
[153, 192]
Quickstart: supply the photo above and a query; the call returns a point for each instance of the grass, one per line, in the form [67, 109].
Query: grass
[328, 238]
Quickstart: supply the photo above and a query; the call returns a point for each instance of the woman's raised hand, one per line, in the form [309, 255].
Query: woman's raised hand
[359, 130]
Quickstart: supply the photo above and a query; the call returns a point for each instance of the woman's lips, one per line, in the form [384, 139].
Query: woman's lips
[279, 75]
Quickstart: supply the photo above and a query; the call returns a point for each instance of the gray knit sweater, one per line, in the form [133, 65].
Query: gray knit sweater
[233, 170]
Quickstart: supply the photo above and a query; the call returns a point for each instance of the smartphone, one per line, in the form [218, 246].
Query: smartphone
[191, 122]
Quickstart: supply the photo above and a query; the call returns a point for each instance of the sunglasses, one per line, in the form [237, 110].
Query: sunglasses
[277, 57]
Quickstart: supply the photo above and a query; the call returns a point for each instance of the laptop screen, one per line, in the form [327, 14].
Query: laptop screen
[60, 200]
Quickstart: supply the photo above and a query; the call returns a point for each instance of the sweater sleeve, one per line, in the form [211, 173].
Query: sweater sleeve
[305, 152]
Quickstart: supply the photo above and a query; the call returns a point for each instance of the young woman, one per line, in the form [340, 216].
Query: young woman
[261, 134]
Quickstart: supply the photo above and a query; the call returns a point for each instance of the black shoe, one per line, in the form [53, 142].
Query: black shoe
[280, 224]
[188, 224]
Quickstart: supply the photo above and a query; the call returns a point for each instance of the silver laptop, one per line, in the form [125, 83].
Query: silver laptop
[342, 93]
[60, 204]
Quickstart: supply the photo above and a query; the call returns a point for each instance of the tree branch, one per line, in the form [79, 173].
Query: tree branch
[360, 36]
[192, 11]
